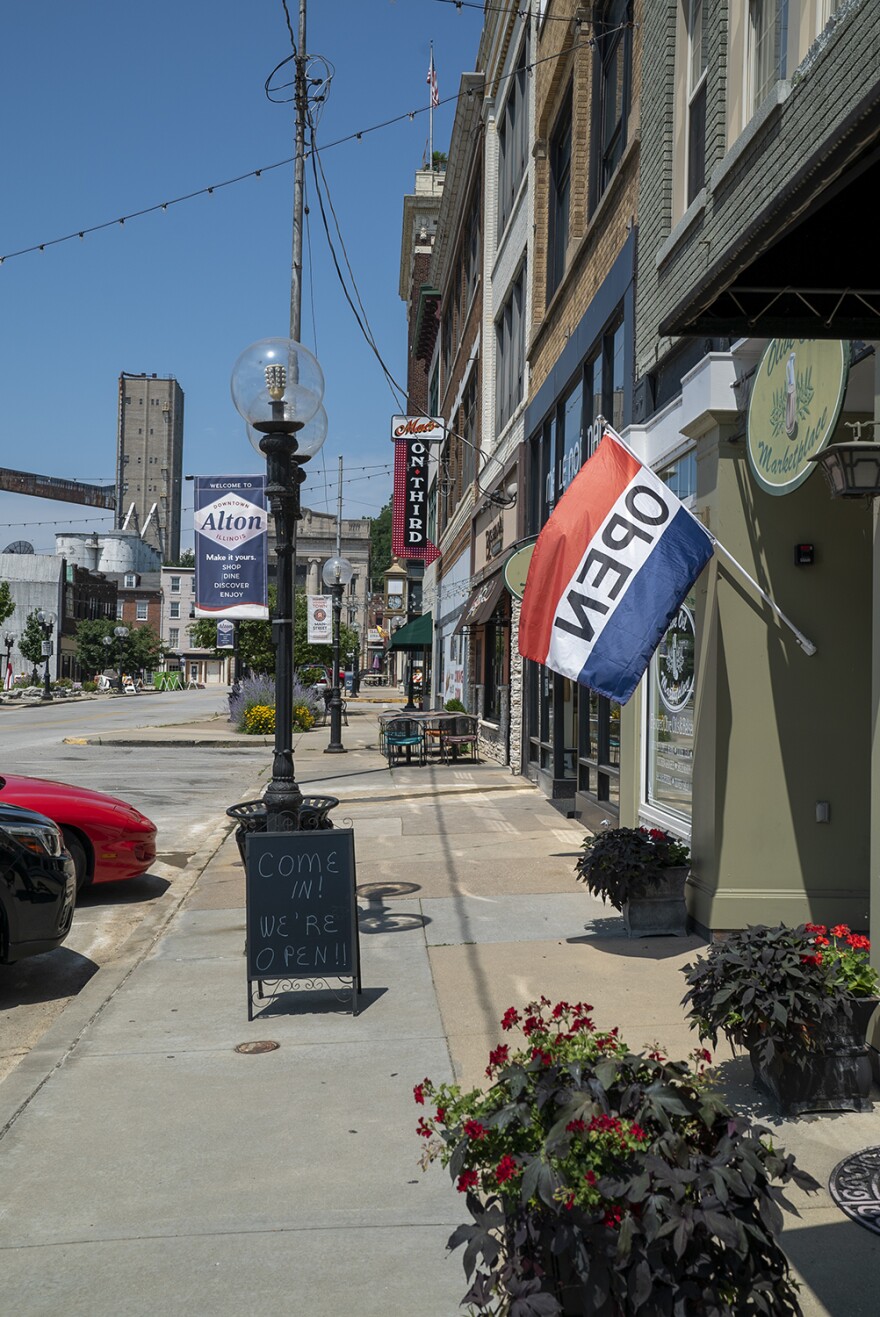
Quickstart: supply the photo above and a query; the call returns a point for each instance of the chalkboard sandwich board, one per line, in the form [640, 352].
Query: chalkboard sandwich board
[301, 909]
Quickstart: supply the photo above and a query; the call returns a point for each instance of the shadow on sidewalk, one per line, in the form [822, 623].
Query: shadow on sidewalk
[610, 936]
[300, 998]
[378, 918]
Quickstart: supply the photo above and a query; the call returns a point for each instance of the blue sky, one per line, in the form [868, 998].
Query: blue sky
[110, 106]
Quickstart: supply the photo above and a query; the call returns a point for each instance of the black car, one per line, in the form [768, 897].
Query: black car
[37, 884]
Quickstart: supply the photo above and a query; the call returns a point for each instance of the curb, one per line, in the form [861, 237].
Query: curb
[166, 741]
[20, 1087]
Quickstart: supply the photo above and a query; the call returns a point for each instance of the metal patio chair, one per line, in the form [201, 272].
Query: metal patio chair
[459, 734]
[401, 735]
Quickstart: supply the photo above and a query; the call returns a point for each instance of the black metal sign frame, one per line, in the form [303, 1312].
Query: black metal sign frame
[301, 912]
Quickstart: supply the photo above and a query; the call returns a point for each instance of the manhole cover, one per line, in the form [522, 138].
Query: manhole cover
[854, 1184]
[259, 1045]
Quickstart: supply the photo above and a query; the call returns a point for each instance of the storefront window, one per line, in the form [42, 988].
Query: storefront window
[671, 716]
[671, 685]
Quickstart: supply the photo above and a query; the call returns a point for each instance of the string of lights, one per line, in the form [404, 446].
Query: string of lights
[355, 136]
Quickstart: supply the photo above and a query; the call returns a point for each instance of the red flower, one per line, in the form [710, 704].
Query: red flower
[704, 1055]
[474, 1130]
[424, 1129]
[613, 1217]
[859, 942]
[538, 1054]
[530, 1024]
[590, 1178]
[656, 1056]
[820, 941]
[497, 1057]
[657, 834]
[840, 930]
[812, 960]
[419, 1092]
[576, 1126]
[510, 1018]
[637, 1132]
[441, 1113]
[506, 1169]
[815, 928]
[467, 1180]
[560, 1008]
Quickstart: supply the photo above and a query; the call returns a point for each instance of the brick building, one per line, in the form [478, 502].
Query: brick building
[760, 135]
[587, 86]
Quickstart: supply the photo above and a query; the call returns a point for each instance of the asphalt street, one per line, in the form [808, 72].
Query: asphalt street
[183, 789]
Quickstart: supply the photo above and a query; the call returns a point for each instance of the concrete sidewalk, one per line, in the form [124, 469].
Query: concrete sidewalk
[153, 1166]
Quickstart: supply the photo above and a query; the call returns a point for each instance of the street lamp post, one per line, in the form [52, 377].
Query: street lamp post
[337, 572]
[47, 625]
[277, 386]
[121, 634]
[8, 641]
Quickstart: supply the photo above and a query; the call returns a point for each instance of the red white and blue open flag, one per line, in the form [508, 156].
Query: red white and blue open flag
[611, 567]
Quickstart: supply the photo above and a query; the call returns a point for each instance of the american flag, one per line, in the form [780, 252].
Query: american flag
[432, 83]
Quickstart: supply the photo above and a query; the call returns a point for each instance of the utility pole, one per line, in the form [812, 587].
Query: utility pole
[301, 105]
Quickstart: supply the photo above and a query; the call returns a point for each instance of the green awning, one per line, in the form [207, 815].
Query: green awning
[417, 634]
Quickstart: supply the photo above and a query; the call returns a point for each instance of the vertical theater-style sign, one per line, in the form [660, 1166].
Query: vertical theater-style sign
[412, 437]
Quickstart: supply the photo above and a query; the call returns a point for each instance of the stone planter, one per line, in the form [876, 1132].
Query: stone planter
[662, 911]
[836, 1079]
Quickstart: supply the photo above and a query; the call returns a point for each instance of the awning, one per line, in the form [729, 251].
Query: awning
[482, 603]
[417, 634]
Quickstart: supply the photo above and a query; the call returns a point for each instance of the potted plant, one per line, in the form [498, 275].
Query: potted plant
[800, 1001]
[604, 1181]
[642, 873]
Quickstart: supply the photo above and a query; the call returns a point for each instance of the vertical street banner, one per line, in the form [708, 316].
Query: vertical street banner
[231, 545]
[320, 619]
[412, 436]
[225, 634]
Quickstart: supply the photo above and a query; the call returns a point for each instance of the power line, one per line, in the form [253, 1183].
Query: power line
[357, 135]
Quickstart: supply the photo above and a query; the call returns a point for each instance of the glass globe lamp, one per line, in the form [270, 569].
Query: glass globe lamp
[277, 379]
[337, 571]
[308, 440]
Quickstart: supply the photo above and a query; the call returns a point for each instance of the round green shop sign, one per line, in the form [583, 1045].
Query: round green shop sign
[796, 400]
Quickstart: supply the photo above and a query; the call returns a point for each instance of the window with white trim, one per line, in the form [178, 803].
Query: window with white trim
[513, 140]
[510, 338]
[698, 60]
[141, 610]
[768, 46]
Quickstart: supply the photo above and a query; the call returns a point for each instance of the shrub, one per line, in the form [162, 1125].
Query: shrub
[90, 686]
[777, 989]
[259, 693]
[454, 706]
[258, 720]
[303, 718]
[624, 862]
[621, 1177]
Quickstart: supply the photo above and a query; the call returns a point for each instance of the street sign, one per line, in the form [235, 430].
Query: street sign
[46, 648]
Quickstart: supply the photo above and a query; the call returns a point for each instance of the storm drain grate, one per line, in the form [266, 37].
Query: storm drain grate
[854, 1184]
[259, 1045]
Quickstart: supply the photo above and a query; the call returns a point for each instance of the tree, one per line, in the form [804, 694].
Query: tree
[7, 605]
[380, 545]
[186, 559]
[139, 650]
[255, 647]
[30, 643]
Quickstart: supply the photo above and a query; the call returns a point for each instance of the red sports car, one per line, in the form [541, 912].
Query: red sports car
[105, 837]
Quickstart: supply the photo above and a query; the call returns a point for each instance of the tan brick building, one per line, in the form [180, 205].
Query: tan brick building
[587, 76]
